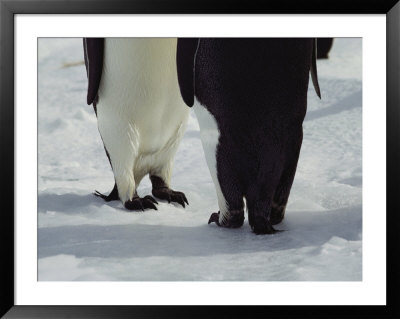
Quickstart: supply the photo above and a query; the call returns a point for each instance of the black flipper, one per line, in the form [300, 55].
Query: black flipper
[185, 59]
[314, 75]
[94, 52]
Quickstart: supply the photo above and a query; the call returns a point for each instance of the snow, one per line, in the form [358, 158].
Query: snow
[83, 238]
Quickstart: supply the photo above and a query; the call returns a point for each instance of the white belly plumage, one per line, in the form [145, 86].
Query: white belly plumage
[141, 114]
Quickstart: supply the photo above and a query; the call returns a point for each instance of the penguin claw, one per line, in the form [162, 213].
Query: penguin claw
[179, 199]
[108, 198]
[233, 219]
[185, 199]
[214, 218]
[150, 204]
[150, 198]
[170, 195]
[98, 194]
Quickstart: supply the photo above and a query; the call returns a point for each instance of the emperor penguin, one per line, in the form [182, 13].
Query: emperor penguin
[141, 117]
[250, 98]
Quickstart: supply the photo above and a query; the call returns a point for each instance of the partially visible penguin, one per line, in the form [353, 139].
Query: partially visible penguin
[140, 113]
[250, 98]
[324, 45]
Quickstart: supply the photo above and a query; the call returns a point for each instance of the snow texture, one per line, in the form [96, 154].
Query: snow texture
[83, 238]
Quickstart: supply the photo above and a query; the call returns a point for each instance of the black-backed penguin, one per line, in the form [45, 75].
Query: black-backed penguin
[324, 45]
[250, 98]
[140, 113]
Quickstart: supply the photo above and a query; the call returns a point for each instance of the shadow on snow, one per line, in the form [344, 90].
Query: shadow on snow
[302, 229]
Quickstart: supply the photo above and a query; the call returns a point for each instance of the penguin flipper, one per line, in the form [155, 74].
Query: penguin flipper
[94, 52]
[185, 61]
[313, 70]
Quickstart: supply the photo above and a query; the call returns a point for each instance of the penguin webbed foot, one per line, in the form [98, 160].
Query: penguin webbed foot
[264, 228]
[138, 203]
[234, 219]
[266, 231]
[214, 218]
[165, 193]
[277, 214]
[108, 198]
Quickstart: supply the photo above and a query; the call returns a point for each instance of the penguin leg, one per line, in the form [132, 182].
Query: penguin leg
[161, 171]
[228, 187]
[114, 193]
[140, 203]
[161, 190]
[284, 186]
[231, 207]
[279, 202]
[218, 148]
[136, 203]
[259, 200]
[259, 217]
[120, 139]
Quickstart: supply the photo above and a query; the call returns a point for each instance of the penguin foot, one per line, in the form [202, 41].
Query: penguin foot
[138, 203]
[263, 227]
[170, 195]
[277, 213]
[233, 219]
[108, 198]
[214, 218]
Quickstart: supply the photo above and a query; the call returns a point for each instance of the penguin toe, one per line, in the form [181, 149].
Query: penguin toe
[214, 218]
[110, 197]
[185, 199]
[141, 204]
[134, 204]
[150, 198]
[232, 219]
[148, 202]
[170, 195]
[179, 198]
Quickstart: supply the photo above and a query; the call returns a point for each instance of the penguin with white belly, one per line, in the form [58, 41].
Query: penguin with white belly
[250, 98]
[141, 117]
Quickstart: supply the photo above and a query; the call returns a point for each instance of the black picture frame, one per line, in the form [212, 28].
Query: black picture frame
[8, 10]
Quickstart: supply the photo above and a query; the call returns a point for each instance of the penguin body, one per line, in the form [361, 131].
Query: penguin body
[140, 113]
[250, 98]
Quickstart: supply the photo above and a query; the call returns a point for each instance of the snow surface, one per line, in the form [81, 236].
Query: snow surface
[82, 238]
